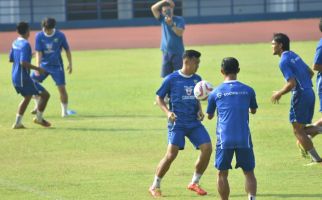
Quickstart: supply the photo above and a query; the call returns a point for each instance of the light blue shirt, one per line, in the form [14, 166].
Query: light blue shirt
[51, 47]
[170, 41]
[232, 99]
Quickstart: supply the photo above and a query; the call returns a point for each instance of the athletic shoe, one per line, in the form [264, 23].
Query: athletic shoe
[68, 113]
[303, 152]
[43, 122]
[196, 188]
[155, 192]
[314, 163]
[18, 126]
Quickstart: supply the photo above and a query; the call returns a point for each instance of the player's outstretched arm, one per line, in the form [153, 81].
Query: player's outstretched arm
[30, 66]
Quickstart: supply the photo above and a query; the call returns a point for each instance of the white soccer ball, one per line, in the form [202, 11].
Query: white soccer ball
[202, 90]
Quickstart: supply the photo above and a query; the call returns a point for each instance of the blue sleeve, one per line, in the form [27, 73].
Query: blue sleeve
[64, 42]
[181, 24]
[165, 88]
[11, 58]
[211, 104]
[286, 70]
[38, 46]
[253, 102]
[26, 54]
[318, 56]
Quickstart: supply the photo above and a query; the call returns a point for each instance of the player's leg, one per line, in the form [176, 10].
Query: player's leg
[176, 141]
[176, 61]
[166, 67]
[41, 106]
[223, 164]
[162, 168]
[59, 78]
[21, 110]
[250, 184]
[39, 78]
[304, 140]
[223, 184]
[246, 160]
[199, 137]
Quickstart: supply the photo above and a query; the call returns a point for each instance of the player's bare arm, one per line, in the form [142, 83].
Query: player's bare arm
[317, 67]
[311, 72]
[155, 8]
[171, 116]
[291, 83]
[210, 116]
[200, 114]
[30, 66]
[252, 110]
[70, 64]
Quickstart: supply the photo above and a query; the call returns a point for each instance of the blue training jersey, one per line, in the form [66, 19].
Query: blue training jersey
[20, 52]
[170, 42]
[292, 66]
[318, 60]
[183, 103]
[232, 99]
[51, 47]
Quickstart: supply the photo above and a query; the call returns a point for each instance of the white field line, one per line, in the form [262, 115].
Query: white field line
[26, 188]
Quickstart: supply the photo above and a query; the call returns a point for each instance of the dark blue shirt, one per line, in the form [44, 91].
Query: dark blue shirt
[180, 90]
[20, 52]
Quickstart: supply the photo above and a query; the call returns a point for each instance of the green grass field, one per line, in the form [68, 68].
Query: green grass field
[111, 148]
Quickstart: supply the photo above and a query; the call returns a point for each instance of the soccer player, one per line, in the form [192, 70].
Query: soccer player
[298, 81]
[233, 101]
[20, 56]
[184, 116]
[49, 44]
[172, 29]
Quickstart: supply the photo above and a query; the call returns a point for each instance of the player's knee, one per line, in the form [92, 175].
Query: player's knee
[206, 149]
[171, 156]
[222, 175]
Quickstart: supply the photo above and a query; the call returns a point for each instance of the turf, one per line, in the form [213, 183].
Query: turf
[110, 149]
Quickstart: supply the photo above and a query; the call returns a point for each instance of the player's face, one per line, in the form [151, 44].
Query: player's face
[194, 62]
[276, 47]
[167, 11]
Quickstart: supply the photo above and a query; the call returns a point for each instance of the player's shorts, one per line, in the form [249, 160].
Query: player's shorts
[302, 106]
[170, 63]
[245, 159]
[29, 88]
[56, 73]
[197, 135]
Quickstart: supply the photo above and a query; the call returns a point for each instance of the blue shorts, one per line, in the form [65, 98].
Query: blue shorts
[302, 106]
[29, 88]
[56, 73]
[244, 158]
[170, 63]
[197, 135]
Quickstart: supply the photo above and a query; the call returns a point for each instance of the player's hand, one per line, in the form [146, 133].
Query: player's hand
[200, 116]
[276, 97]
[169, 20]
[172, 117]
[40, 71]
[69, 69]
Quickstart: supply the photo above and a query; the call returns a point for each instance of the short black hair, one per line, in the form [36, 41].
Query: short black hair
[191, 54]
[282, 39]
[230, 65]
[321, 24]
[22, 28]
[165, 4]
[48, 23]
